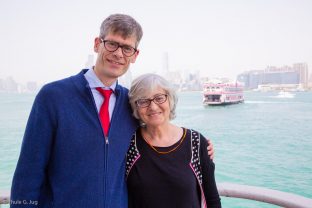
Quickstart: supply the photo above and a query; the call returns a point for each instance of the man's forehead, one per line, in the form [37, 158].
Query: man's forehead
[120, 34]
[131, 40]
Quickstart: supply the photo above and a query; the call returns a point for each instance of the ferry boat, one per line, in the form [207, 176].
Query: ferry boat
[222, 93]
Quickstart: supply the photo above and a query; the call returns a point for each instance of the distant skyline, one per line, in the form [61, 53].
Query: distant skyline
[44, 41]
[128, 77]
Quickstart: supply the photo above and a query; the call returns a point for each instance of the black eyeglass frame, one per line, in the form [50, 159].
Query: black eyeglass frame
[119, 46]
[150, 101]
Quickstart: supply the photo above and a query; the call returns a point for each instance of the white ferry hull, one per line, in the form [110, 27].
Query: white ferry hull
[222, 101]
[222, 94]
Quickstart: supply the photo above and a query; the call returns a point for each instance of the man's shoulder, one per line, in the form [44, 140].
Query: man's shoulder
[62, 86]
[122, 90]
[58, 85]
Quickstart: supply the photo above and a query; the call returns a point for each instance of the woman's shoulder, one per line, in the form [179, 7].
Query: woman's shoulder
[196, 135]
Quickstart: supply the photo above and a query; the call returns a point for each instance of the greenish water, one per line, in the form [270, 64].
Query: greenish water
[265, 141]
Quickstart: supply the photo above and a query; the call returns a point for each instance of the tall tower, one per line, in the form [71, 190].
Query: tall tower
[126, 79]
[89, 62]
[302, 69]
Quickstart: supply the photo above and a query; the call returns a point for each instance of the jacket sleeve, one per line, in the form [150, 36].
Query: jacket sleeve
[30, 173]
[209, 184]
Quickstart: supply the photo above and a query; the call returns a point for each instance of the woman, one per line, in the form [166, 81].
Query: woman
[167, 165]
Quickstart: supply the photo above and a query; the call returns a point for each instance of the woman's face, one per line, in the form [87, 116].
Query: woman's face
[158, 111]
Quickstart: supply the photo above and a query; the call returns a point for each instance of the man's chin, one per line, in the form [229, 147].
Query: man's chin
[116, 75]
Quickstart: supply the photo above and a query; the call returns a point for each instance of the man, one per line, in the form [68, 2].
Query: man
[69, 158]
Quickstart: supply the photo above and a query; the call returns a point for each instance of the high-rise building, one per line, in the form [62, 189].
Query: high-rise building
[126, 79]
[90, 61]
[302, 69]
[10, 85]
[272, 75]
[1, 85]
[251, 79]
[31, 86]
[280, 75]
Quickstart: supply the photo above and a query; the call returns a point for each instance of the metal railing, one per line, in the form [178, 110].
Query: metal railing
[266, 195]
[255, 193]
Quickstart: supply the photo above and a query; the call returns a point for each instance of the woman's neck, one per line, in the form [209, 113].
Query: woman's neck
[162, 136]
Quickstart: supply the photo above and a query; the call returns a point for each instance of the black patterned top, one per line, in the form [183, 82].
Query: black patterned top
[182, 178]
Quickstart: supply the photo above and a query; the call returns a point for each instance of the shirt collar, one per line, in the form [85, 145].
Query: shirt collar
[95, 82]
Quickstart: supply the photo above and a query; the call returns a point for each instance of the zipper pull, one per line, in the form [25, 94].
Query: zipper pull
[106, 140]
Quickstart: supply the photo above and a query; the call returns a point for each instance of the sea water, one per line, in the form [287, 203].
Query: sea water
[265, 141]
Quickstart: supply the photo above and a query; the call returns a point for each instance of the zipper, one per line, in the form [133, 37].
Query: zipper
[105, 148]
[106, 151]
[105, 172]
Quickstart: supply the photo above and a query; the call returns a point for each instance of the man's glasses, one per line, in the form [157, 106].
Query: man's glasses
[113, 46]
[158, 99]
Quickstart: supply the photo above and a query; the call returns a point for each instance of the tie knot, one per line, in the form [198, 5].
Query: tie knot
[105, 93]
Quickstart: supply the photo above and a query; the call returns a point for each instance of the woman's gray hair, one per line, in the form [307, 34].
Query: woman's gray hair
[121, 24]
[146, 83]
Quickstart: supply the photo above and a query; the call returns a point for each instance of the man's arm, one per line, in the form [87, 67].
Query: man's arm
[30, 172]
[209, 183]
[210, 149]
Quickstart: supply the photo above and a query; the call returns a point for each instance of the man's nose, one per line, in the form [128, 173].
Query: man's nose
[118, 52]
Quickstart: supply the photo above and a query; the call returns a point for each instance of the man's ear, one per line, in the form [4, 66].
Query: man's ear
[97, 43]
[134, 57]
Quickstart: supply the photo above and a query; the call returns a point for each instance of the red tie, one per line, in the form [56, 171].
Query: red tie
[104, 113]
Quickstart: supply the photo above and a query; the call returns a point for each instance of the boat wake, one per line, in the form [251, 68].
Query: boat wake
[264, 102]
[284, 94]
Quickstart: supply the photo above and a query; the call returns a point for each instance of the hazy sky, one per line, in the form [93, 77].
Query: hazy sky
[47, 40]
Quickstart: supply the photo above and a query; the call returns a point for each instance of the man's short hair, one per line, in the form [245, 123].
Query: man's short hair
[121, 24]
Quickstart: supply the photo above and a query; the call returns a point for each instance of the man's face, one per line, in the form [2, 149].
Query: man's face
[111, 65]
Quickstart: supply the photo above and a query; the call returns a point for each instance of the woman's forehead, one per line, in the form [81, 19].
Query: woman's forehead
[152, 91]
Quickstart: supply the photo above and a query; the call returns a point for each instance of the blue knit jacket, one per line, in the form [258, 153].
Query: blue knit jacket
[64, 160]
